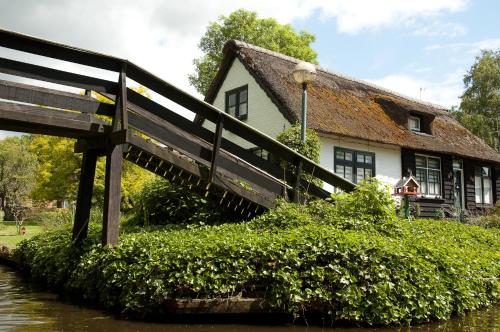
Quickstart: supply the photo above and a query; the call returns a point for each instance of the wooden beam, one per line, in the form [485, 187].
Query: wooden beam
[54, 98]
[84, 198]
[27, 70]
[34, 119]
[216, 147]
[59, 51]
[121, 104]
[112, 195]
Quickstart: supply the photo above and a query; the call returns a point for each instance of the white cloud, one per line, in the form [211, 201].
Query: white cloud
[466, 48]
[357, 15]
[440, 29]
[445, 92]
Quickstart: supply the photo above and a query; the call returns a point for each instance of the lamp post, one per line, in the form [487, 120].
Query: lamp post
[304, 73]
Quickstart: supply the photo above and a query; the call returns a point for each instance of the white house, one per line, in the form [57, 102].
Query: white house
[365, 130]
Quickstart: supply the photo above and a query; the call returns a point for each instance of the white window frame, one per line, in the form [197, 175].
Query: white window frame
[418, 120]
[482, 198]
[425, 195]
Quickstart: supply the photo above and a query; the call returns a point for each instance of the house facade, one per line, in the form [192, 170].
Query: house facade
[365, 130]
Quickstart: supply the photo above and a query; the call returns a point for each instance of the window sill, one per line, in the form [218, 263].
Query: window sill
[430, 198]
[421, 133]
[484, 206]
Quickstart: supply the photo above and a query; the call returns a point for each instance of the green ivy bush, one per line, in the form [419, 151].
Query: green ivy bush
[311, 148]
[351, 261]
[161, 203]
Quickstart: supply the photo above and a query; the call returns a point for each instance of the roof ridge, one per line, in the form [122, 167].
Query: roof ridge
[239, 43]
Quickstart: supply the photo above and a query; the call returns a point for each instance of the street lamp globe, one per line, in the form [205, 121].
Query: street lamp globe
[304, 72]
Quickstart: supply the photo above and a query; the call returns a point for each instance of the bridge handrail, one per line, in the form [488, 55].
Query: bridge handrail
[38, 46]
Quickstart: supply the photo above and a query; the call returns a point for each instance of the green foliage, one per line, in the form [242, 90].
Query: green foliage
[17, 175]
[246, 26]
[160, 203]
[59, 171]
[480, 105]
[311, 149]
[291, 138]
[352, 261]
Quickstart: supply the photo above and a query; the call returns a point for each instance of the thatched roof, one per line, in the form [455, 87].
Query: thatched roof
[342, 105]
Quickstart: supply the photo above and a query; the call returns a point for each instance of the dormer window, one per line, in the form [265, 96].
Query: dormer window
[237, 102]
[414, 123]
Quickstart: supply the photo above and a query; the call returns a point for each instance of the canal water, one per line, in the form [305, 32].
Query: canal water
[25, 309]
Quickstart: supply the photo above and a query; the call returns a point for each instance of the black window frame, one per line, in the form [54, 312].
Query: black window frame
[354, 163]
[482, 177]
[237, 92]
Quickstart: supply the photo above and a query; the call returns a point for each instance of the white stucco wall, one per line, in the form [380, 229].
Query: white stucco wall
[263, 114]
[387, 157]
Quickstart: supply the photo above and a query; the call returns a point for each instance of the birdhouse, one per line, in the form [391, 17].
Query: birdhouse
[407, 186]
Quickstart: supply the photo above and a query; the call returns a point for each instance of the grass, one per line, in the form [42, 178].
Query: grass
[9, 236]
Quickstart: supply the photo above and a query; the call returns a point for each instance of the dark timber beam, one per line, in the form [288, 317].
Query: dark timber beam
[216, 147]
[27, 70]
[54, 98]
[114, 166]
[112, 195]
[84, 199]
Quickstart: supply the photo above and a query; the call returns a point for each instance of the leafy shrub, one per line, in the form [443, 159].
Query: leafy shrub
[2, 215]
[298, 258]
[160, 203]
[311, 149]
[54, 218]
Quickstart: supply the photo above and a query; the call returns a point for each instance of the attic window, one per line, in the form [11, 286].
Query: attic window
[237, 102]
[414, 123]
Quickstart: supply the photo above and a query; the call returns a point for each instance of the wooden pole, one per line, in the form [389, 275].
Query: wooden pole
[114, 166]
[84, 199]
[112, 195]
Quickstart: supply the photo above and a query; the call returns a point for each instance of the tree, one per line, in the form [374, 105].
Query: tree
[59, 171]
[480, 106]
[17, 176]
[246, 26]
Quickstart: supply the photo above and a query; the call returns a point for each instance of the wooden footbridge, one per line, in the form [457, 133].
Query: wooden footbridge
[146, 133]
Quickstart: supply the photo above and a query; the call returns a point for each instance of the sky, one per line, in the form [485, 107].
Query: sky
[419, 48]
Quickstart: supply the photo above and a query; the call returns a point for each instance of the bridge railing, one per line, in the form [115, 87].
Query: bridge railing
[128, 69]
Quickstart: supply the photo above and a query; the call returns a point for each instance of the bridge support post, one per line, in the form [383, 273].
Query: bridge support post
[84, 199]
[114, 166]
[112, 195]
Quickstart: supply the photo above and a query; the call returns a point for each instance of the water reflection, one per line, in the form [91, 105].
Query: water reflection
[23, 309]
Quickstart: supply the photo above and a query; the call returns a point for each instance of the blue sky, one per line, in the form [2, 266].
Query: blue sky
[418, 48]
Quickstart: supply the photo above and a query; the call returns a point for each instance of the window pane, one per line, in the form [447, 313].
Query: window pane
[421, 177]
[420, 161]
[339, 169]
[360, 174]
[232, 99]
[368, 159]
[348, 173]
[242, 111]
[414, 123]
[485, 171]
[232, 110]
[478, 189]
[487, 191]
[243, 96]
[340, 155]
[433, 163]
[348, 156]
[368, 173]
[360, 158]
